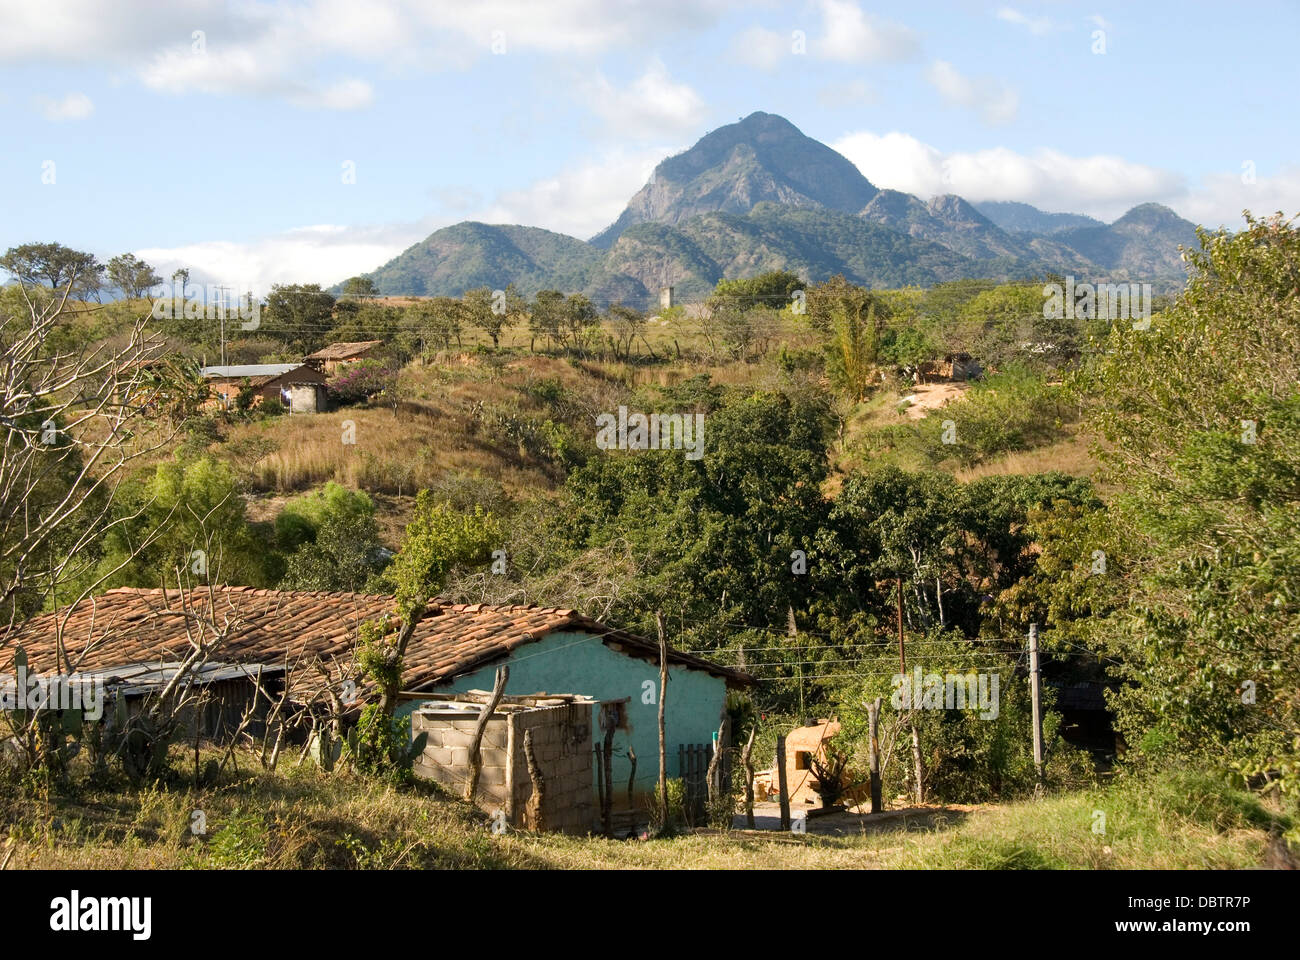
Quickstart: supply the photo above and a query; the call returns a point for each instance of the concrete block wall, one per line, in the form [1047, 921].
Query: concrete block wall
[561, 744]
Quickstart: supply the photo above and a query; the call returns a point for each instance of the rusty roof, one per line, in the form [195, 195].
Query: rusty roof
[299, 627]
[343, 351]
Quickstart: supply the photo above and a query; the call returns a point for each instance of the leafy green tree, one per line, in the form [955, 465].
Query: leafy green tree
[437, 321]
[854, 346]
[1006, 325]
[132, 275]
[546, 317]
[360, 287]
[345, 554]
[579, 323]
[438, 539]
[494, 311]
[300, 315]
[301, 518]
[186, 522]
[1200, 421]
[54, 264]
[772, 289]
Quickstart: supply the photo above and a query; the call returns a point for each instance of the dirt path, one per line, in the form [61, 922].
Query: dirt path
[932, 396]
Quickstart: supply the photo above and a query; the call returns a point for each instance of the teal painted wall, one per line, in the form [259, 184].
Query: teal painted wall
[581, 663]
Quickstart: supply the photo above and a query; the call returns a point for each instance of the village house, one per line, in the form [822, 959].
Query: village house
[456, 648]
[953, 366]
[329, 360]
[294, 385]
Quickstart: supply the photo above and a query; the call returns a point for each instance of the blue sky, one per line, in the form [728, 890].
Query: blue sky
[228, 151]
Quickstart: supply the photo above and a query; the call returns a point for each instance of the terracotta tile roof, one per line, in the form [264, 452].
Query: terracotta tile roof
[343, 351]
[128, 625]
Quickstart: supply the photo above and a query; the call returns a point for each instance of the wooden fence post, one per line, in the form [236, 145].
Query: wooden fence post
[780, 774]
[535, 819]
[714, 774]
[631, 777]
[748, 764]
[873, 720]
[475, 759]
[663, 748]
[510, 769]
[607, 757]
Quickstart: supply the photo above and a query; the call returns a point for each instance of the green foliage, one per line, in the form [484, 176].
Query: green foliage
[54, 264]
[345, 555]
[772, 289]
[300, 315]
[184, 507]
[132, 275]
[381, 746]
[240, 843]
[1207, 618]
[971, 755]
[301, 518]
[1016, 409]
[854, 347]
[437, 540]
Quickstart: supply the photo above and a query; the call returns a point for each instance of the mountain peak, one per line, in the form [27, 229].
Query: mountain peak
[760, 158]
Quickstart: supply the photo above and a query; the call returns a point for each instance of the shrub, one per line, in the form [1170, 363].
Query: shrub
[362, 381]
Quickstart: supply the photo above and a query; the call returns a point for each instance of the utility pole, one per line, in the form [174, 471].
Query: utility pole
[221, 313]
[1036, 692]
[918, 770]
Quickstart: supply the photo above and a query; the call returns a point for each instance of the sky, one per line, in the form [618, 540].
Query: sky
[259, 143]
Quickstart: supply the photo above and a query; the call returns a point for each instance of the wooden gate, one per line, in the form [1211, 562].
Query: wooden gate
[693, 761]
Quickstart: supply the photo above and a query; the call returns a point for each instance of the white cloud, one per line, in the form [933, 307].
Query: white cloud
[1222, 197]
[323, 254]
[854, 93]
[74, 106]
[1101, 185]
[762, 48]
[850, 34]
[993, 100]
[1038, 26]
[653, 106]
[579, 201]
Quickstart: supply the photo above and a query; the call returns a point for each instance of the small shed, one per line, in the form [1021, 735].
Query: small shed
[549, 790]
[337, 355]
[222, 694]
[308, 397]
[953, 366]
[270, 382]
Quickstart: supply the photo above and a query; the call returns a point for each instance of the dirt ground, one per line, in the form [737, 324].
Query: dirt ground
[931, 396]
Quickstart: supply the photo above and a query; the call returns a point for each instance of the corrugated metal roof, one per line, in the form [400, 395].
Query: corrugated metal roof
[250, 370]
[136, 678]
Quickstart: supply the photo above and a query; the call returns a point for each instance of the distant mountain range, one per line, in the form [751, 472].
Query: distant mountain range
[759, 195]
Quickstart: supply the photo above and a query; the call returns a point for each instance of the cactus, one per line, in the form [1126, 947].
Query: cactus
[416, 747]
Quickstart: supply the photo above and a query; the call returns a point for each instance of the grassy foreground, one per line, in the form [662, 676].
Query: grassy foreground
[300, 818]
